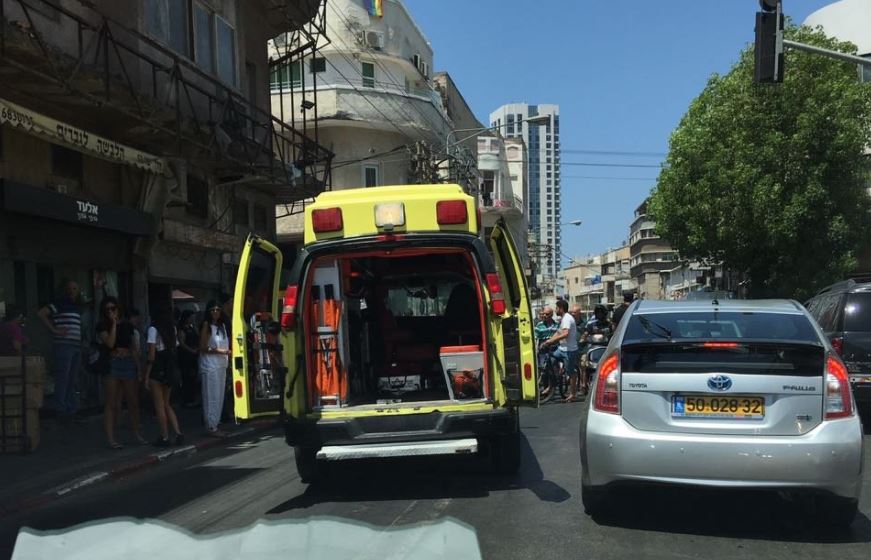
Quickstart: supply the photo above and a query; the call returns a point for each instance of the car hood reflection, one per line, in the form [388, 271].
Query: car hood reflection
[316, 538]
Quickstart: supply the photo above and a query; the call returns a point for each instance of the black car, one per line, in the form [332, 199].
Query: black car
[843, 311]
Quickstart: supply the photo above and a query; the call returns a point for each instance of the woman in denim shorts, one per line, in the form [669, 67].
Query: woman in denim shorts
[120, 338]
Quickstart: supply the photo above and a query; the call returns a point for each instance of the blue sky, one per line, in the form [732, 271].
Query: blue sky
[622, 71]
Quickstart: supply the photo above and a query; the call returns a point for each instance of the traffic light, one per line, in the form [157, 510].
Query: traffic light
[769, 43]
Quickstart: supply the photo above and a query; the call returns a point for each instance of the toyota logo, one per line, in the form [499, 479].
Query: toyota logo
[720, 383]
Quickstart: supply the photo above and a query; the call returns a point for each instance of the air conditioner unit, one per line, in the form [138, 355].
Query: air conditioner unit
[424, 69]
[374, 40]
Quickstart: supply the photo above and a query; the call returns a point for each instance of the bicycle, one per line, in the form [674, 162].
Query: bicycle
[552, 378]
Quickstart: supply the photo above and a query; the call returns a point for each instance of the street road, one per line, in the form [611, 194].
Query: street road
[536, 514]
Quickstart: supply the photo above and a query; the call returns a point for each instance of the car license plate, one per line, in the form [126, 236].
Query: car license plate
[711, 406]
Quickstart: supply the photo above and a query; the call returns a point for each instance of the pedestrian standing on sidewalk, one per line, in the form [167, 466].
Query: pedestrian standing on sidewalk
[188, 354]
[119, 337]
[12, 338]
[161, 375]
[64, 319]
[214, 360]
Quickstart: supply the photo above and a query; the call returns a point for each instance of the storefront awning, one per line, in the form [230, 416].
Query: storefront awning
[77, 139]
[35, 201]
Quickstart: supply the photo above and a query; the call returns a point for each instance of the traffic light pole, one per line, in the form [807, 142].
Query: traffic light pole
[826, 52]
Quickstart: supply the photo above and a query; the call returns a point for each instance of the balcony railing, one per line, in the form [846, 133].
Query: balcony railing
[89, 64]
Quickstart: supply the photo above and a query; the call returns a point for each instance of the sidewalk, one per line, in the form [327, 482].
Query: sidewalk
[70, 457]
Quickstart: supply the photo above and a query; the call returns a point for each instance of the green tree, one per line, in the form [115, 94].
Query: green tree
[770, 180]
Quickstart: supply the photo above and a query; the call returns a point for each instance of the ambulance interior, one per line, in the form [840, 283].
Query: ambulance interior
[390, 327]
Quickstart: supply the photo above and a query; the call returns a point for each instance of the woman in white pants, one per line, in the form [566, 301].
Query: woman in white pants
[214, 359]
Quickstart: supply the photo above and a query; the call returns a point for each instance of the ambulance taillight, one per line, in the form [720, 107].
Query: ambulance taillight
[451, 212]
[288, 312]
[326, 220]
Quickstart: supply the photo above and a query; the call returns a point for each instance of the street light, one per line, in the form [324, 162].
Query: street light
[538, 120]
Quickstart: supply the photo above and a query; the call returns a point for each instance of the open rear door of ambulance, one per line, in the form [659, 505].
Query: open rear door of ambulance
[521, 378]
[259, 345]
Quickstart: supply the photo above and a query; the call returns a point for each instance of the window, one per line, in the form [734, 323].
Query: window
[240, 212]
[66, 163]
[261, 218]
[287, 76]
[167, 21]
[253, 82]
[198, 197]
[317, 64]
[370, 175]
[204, 38]
[368, 71]
[226, 42]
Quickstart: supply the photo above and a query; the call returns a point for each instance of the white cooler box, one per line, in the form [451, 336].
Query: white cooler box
[456, 359]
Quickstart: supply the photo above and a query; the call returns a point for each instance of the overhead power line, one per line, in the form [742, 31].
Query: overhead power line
[613, 153]
[602, 177]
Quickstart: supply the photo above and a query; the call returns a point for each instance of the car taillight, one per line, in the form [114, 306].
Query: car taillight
[608, 385]
[497, 298]
[326, 220]
[838, 345]
[288, 312]
[451, 212]
[839, 401]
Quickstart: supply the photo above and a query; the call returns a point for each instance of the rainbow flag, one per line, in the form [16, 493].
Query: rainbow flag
[375, 8]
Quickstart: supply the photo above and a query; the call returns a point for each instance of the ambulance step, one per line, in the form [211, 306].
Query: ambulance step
[378, 450]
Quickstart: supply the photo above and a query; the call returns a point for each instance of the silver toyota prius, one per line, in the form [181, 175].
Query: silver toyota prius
[728, 393]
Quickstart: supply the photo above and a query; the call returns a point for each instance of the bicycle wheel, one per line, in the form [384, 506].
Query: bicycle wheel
[563, 384]
[546, 383]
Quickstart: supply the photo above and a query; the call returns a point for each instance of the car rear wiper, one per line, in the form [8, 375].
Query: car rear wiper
[647, 324]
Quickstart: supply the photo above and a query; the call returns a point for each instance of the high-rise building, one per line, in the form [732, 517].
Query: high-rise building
[542, 205]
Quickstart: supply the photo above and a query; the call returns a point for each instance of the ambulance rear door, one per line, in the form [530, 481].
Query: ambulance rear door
[520, 379]
[260, 347]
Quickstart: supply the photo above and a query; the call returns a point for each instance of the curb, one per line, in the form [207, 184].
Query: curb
[126, 469]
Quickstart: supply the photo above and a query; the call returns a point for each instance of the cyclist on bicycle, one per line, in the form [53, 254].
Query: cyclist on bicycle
[567, 339]
[545, 329]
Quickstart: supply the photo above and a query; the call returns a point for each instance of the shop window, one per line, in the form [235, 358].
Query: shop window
[66, 163]
[261, 218]
[198, 197]
[45, 290]
[240, 212]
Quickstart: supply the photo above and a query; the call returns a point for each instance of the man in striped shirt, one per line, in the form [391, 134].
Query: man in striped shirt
[64, 320]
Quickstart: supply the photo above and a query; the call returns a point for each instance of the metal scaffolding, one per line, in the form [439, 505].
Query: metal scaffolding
[99, 72]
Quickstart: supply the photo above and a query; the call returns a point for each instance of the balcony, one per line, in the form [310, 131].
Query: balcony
[509, 206]
[362, 102]
[91, 70]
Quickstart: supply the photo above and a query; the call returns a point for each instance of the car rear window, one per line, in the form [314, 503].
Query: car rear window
[857, 313]
[718, 325]
[767, 358]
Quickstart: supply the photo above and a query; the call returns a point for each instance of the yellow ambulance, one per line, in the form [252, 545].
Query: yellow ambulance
[401, 329]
